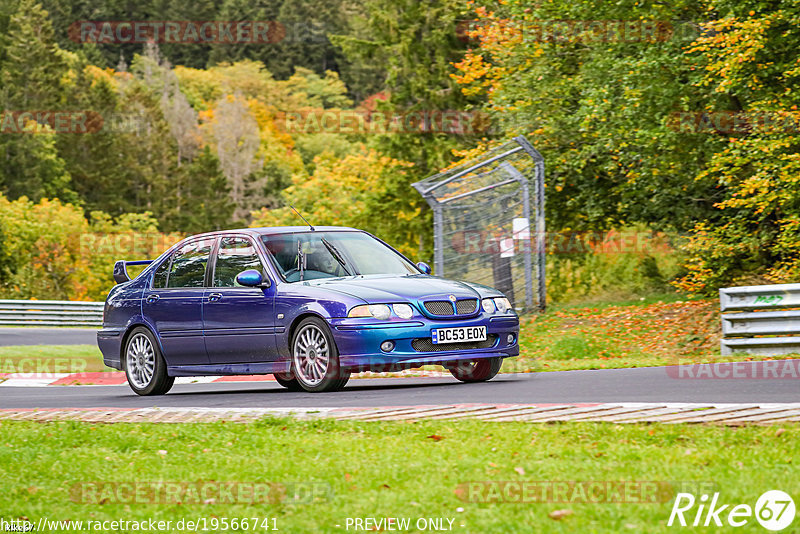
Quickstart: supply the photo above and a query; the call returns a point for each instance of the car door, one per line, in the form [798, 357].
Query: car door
[238, 321]
[174, 303]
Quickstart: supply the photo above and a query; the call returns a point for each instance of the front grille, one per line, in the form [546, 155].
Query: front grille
[426, 345]
[466, 306]
[439, 307]
[444, 308]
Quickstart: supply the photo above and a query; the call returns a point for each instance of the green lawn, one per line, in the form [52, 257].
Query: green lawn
[390, 469]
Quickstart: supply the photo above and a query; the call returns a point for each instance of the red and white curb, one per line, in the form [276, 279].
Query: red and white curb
[29, 380]
[623, 412]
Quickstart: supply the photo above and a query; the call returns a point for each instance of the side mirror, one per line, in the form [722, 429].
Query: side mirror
[251, 278]
[424, 267]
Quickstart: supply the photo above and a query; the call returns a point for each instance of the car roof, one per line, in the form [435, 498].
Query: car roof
[272, 230]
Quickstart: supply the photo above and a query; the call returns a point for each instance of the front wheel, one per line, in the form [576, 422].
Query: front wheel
[476, 371]
[145, 367]
[315, 358]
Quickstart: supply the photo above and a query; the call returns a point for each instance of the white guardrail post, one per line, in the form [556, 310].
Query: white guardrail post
[50, 313]
[758, 319]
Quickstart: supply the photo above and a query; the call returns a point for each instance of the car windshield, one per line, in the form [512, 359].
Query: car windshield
[313, 255]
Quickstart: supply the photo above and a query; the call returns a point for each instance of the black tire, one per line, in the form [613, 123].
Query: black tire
[315, 358]
[345, 378]
[144, 365]
[288, 381]
[476, 371]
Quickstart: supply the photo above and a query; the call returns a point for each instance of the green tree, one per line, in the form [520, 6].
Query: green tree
[247, 11]
[32, 68]
[599, 106]
[205, 202]
[749, 63]
[307, 25]
[417, 43]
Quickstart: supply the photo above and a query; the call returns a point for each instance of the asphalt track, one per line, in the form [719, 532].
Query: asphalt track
[653, 384]
[47, 336]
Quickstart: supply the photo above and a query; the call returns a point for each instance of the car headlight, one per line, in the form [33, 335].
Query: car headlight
[488, 305]
[378, 311]
[503, 304]
[404, 311]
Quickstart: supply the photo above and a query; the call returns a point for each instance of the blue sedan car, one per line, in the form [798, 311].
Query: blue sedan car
[309, 305]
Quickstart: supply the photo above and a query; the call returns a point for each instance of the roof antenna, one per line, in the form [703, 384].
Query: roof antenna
[299, 215]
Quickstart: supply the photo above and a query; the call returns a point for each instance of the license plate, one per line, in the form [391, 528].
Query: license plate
[459, 334]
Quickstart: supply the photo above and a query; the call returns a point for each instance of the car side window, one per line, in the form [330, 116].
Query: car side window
[189, 264]
[236, 254]
[161, 275]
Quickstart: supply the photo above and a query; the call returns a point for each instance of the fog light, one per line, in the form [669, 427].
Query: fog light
[387, 346]
[510, 339]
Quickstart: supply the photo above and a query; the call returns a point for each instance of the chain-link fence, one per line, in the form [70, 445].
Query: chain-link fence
[488, 225]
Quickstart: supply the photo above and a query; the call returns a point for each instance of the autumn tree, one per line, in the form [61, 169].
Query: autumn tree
[347, 191]
[236, 138]
[749, 63]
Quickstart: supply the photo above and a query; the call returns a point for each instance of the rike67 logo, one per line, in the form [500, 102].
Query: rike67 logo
[774, 511]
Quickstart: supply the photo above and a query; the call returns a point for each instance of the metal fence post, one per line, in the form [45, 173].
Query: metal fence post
[438, 245]
[526, 249]
[540, 226]
[477, 206]
[541, 251]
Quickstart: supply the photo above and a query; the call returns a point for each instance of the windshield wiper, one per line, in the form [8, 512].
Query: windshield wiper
[336, 255]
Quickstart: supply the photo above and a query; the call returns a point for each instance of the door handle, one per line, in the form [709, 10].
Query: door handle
[151, 298]
[213, 297]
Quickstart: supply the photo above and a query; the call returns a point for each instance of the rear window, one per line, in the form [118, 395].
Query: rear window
[186, 267]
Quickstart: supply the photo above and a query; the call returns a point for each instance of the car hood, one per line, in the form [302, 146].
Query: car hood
[376, 289]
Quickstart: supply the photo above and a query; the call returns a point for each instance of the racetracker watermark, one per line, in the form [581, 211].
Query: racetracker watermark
[126, 244]
[45, 367]
[195, 524]
[208, 493]
[33, 122]
[610, 242]
[452, 122]
[70, 122]
[583, 31]
[177, 31]
[576, 491]
[762, 370]
[734, 122]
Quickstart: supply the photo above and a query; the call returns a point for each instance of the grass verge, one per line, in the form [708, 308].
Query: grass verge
[387, 469]
[51, 359]
[662, 330]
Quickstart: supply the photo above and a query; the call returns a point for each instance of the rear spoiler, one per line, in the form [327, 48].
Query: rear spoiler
[121, 269]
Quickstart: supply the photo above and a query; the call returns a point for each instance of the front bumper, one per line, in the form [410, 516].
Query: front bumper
[359, 341]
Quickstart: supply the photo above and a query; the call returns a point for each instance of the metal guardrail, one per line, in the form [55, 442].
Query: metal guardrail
[50, 313]
[758, 319]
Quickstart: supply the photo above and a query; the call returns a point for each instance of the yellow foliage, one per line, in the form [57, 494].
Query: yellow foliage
[50, 251]
[341, 192]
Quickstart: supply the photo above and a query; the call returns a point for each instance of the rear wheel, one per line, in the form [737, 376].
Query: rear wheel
[476, 371]
[288, 381]
[145, 367]
[315, 358]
